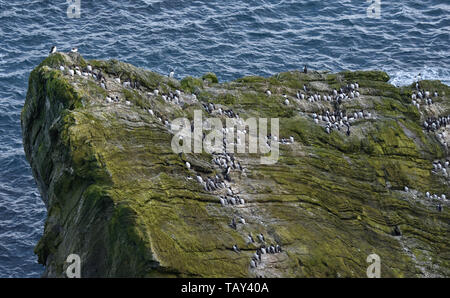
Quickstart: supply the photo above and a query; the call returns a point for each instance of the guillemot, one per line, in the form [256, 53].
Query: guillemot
[52, 50]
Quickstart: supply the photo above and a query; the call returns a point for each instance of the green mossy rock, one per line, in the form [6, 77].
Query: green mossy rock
[118, 196]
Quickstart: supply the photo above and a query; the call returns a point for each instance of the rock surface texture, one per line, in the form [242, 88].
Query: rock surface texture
[98, 138]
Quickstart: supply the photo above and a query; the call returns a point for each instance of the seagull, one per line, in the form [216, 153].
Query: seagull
[172, 73]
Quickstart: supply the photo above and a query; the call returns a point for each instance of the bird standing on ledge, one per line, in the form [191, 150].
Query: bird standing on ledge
[53, 50]
[305, 70]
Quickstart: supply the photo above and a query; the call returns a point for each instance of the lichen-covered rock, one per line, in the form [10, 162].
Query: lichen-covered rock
[118, 196]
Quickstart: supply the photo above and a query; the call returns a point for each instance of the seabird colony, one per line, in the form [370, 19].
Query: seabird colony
[334, 119]
[221, 184]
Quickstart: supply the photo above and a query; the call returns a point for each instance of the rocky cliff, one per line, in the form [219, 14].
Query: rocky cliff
[98, 138]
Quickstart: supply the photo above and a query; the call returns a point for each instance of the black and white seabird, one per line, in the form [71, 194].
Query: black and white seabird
[305, 70]
[261, 237]
[235, 248]
[52, 50]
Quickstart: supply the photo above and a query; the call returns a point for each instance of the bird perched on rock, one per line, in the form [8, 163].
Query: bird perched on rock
[52, 50]
[278, 248]
[261, 237]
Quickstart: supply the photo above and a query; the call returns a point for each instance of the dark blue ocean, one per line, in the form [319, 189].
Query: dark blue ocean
[231, 38]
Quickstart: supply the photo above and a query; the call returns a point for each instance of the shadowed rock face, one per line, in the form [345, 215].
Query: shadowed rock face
[118, 196]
